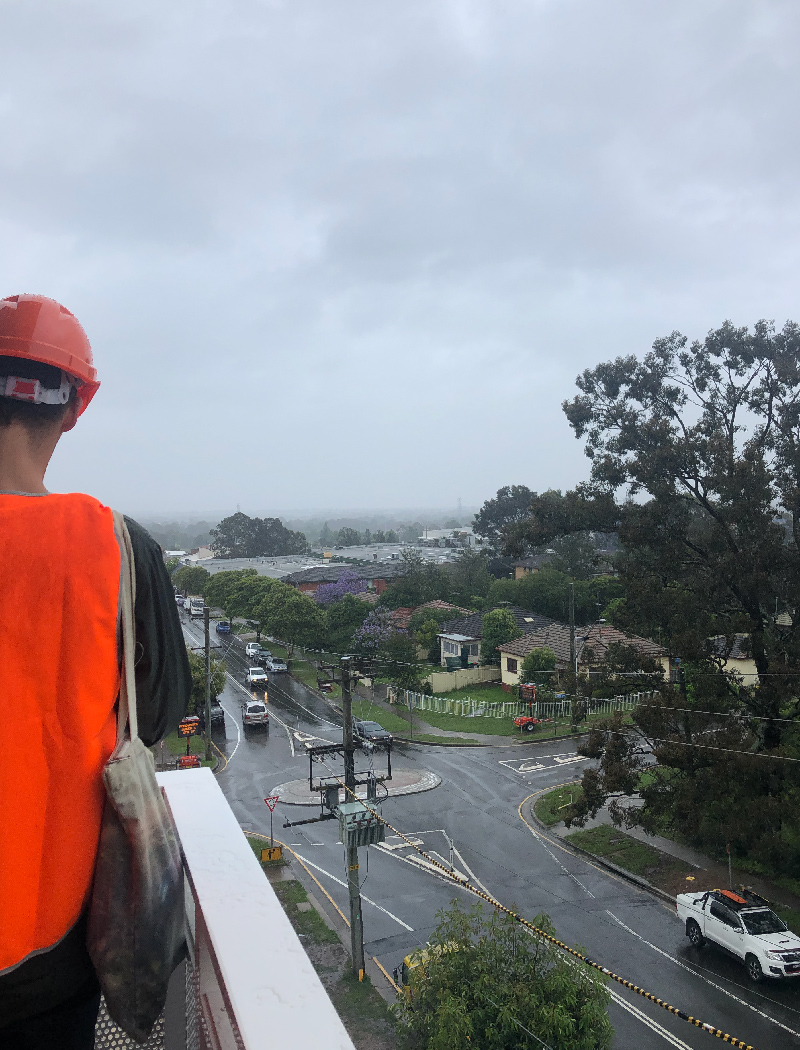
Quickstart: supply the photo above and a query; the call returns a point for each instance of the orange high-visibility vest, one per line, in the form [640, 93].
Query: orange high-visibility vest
[59, 679]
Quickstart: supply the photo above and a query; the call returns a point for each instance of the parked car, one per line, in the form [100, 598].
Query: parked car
[743, 925]
[371, 733]
[275, 665]
[254, 713]
[223, 627]
[251, 649]
[256, 676]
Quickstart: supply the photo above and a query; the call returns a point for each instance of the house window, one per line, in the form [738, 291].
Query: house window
[511, 665]
[450, 648]
[474, 650]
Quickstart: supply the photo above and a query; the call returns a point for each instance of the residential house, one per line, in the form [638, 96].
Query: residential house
[402, 616]
[738, 655]
[531, 564]
[461, 638]
[591, 646]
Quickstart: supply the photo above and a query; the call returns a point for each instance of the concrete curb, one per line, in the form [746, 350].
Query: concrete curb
[444, 742]
[636, 880]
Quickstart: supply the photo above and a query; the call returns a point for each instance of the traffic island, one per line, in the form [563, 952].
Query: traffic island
[403, 782]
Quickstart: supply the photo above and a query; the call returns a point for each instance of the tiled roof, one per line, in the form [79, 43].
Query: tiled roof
[555, 637]
[437, 603]
[740, 649]
[472, 626]
[402, 617]
[601, 635]
[595, 639]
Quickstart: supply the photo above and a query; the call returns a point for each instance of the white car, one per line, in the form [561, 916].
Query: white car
[251, 649]
[254, 713]
[745, 926]
[256, 676]
[275, 665]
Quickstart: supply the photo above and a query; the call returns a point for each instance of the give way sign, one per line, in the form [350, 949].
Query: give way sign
[272, 801]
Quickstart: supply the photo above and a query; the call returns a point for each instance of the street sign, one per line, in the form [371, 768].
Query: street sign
[189, 726]
[188, 762]
[271, 853]
[272, 801]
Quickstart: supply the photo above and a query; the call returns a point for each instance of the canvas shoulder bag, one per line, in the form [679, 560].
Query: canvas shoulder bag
[136, 934]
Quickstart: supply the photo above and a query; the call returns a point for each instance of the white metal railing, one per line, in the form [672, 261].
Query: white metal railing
[469, 707]
[248, 983]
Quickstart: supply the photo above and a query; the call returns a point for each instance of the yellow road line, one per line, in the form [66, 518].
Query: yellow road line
[385, 973]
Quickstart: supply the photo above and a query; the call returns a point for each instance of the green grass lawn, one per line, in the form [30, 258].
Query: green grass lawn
[197, 746]
[460, 724]
[488, 694]
[550, 807]
[369, 712]
[639, 858]
[608, 842]
[301, 669]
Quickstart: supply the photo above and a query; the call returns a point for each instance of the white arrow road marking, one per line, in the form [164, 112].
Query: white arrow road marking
[683, 966]
[368, 901]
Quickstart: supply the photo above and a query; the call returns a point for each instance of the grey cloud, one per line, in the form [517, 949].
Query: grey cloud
[368, 247]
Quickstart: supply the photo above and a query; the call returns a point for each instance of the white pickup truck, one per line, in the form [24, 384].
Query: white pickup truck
[256, 676]
[745, 926]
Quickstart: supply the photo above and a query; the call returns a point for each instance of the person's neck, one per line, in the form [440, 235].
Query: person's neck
[24, 456]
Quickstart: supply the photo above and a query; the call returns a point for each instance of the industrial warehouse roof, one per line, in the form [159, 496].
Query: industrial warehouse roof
[379, 570]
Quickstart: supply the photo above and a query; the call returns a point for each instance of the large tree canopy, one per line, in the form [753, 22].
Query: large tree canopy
[240, 536]
[700, 446]
[511, 504]
[710, 434]
[486, 983]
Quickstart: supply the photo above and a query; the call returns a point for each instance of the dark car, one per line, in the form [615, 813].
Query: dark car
[260, 656]
[217, 714]
[223, 627]
[371, 733]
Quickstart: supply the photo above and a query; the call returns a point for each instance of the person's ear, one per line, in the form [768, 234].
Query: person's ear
[71, 415]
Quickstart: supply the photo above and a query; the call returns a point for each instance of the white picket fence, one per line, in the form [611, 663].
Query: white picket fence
[469, 707]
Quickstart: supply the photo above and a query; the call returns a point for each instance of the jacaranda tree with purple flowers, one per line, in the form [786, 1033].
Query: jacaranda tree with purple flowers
[348, 583]
[374, 632]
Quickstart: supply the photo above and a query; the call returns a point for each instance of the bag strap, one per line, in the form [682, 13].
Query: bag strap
[126, 713]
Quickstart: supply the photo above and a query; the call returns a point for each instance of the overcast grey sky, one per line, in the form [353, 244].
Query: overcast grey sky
[354, 253]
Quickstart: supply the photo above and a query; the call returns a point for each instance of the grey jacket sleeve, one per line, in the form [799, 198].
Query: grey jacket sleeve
[163, 679]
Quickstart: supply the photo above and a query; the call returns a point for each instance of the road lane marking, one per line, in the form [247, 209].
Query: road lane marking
[640, 1015]
[368, 901]
[228, 758]
[713, 984]
[523, 766]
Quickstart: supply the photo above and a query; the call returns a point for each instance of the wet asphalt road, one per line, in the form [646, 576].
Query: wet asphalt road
[477, 808]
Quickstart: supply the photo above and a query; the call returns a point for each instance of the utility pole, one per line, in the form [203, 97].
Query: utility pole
[208, 684]
[356, 922]
[572, 628]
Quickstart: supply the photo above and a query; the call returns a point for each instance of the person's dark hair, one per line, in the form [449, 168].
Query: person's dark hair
[35, 417]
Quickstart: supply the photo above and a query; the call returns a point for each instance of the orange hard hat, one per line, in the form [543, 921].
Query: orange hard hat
[36, 328]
